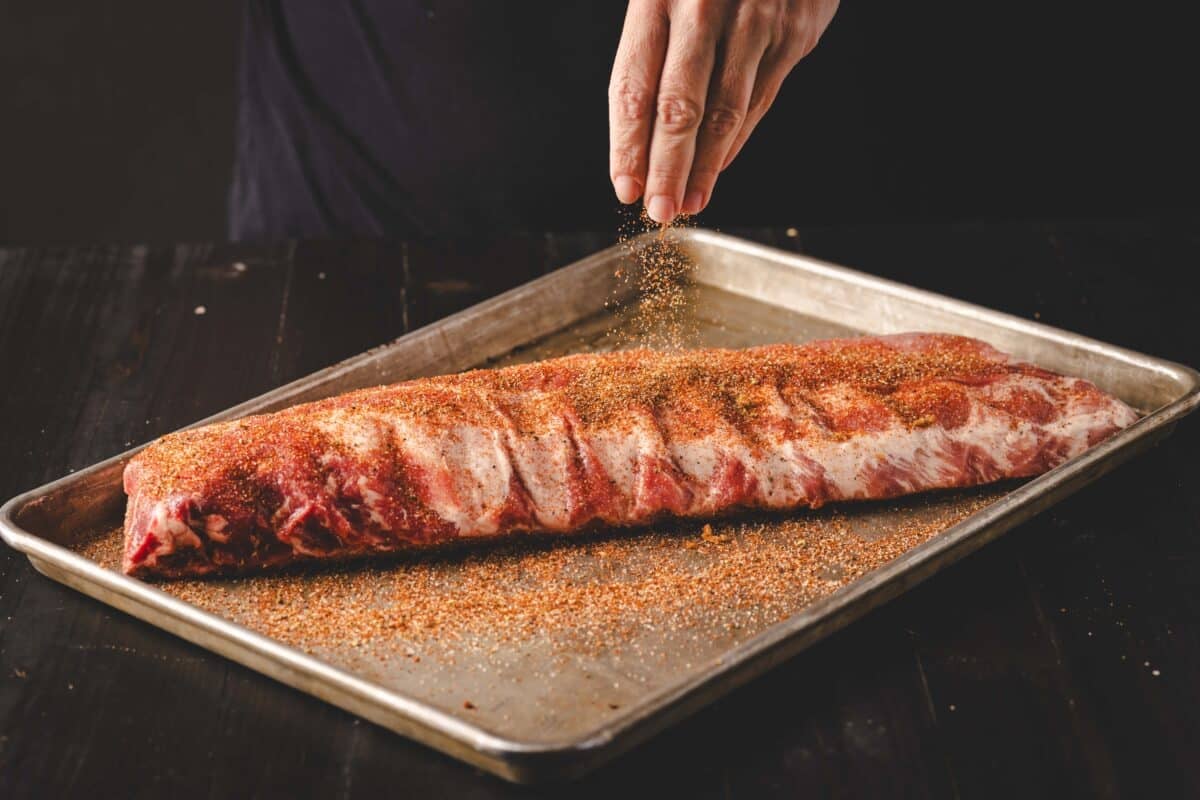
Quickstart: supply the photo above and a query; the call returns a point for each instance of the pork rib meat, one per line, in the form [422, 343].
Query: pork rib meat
[616, 439]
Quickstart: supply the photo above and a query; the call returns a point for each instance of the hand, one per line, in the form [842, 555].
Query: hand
[692, 79]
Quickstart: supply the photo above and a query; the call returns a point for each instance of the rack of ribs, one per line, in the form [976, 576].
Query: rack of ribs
[615, 439]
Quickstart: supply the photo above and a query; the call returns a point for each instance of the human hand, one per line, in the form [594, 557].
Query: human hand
[691, 80]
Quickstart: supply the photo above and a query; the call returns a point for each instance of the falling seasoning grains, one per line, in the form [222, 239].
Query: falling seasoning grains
[200, 311]
[659, 272]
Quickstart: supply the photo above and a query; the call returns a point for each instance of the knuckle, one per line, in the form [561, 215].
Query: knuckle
[791, 53]
[703, 8]
[723, 120]
[663, 175]
[703, 177]
[765, 94]
[760, 106]
[800, 41]
[678, 114]
[805, 44]
[630, 99]
[627, 158]
[761, 15]
[802, 49]
[801, 35]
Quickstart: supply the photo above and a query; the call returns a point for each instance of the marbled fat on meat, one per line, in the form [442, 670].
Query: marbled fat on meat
[614, 439]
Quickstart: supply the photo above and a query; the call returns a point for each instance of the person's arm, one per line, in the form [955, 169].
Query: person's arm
[691, 80]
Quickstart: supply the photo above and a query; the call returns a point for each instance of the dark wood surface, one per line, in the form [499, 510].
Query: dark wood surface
[1063, 660]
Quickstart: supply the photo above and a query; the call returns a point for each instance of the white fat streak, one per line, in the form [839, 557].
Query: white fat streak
[640, 439]
[171, 532]
[698, 458]
[358, 432]
[1003, 388]
[920, 458]
[842, 396]
[474, 472]
[467, 472]
[370, 496]
[784, 471]
[617, 451]
[361, 435]
[214, 527]
[543, 463]
[1079, 419]
[371, 500]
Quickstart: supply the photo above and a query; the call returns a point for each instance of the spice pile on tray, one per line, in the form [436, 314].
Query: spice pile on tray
[589, 593]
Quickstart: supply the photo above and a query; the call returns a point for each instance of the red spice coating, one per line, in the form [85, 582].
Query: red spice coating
[600, 439]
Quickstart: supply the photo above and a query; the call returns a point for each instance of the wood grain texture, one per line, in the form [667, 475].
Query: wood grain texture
[1028, 669]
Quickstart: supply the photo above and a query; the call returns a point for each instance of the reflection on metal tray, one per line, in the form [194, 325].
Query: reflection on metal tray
[543, 658]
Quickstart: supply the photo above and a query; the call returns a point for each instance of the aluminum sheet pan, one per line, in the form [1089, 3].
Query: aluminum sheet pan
[548, 696]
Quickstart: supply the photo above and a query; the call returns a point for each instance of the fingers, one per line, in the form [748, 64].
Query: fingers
[800, 34]
[725, 114]
[770, 78]
[631, 93]
[674, 125]
[682, 92]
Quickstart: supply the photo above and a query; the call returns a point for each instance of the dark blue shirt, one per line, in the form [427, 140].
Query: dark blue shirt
[396, 117]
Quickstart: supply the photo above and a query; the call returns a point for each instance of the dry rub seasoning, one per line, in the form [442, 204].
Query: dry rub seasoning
[583, 593]
[659, 271]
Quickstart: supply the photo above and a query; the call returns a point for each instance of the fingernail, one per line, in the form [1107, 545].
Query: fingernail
[628, 188]
[693, 203]
[661, 208]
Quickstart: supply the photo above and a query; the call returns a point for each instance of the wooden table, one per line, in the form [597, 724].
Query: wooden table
[1062, 660]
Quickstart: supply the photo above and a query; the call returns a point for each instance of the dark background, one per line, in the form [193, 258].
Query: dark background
[118, 120]
[1037, 158]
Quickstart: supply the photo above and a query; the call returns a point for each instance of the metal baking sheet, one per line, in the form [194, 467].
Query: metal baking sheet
[552, 695]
